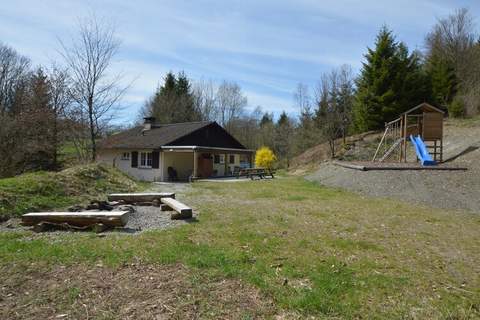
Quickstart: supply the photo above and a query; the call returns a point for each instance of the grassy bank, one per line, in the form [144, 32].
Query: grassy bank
[310, 250]
[51, 190]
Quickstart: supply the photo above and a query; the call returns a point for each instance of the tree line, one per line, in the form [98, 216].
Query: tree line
[69, 103]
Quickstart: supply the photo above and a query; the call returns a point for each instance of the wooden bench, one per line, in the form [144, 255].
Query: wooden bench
[183, 211]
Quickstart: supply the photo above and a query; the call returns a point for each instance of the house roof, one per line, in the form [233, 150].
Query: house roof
[424, 107]
[207, 134]
[157, 136]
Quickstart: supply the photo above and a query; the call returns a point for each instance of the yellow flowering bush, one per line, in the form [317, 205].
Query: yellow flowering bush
[264, 157]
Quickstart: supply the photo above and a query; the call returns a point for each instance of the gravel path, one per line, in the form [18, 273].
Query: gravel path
[152, 218]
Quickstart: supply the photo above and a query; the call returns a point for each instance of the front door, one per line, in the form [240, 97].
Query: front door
[205, 165]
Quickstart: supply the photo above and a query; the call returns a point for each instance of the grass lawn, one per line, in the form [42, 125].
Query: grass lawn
[298, 248]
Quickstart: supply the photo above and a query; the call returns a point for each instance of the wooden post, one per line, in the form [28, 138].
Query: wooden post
[441, 150]
[401, 136]
[226, 165]
[405, 126]
[195, 165]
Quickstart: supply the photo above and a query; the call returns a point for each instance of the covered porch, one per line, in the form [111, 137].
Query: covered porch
[195, 162]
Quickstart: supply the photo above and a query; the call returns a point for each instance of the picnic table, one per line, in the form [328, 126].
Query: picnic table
[256, 172]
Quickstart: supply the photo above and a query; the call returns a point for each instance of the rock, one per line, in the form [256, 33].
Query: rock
[156, 203]
[76, 208]
[42, 227]
[126, 207]
[93, 206]
[99, 227]
[99, 205]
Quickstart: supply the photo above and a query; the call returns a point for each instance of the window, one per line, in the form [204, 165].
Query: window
[146, 159]
[231, 159]
[126, 156]
[219, 158]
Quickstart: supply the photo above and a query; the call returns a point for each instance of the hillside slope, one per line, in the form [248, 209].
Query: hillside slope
[50, 190]
[359, 147]
[444, 189]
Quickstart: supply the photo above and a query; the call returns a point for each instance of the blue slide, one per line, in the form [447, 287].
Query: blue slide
[422, 153]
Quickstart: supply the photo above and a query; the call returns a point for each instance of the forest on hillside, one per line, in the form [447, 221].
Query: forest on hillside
[73, 101]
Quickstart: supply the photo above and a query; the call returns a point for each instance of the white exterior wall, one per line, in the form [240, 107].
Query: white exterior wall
[220, 167]
[114, 158]
[182, 162]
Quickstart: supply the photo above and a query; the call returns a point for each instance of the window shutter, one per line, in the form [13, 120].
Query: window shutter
[134, 159]
[155, 159]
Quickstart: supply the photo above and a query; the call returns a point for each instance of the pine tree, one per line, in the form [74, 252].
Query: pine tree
[174, 101]
[283, 138]
[391, 81]
[37, 122]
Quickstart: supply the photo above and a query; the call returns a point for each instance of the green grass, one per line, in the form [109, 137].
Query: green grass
[312, 250]
[50, 190]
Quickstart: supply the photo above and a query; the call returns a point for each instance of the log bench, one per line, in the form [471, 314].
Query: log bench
[182, 211]
[78, 219]
[140, 197]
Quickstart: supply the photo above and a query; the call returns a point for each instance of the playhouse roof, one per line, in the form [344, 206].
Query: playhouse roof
[425, 107]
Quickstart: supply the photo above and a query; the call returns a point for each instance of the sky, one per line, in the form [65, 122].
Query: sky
[266, 46]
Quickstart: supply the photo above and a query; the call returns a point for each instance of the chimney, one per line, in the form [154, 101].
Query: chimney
[147, 124]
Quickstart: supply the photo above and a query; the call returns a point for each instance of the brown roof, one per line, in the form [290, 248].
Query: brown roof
[424, 107]
[156, 137]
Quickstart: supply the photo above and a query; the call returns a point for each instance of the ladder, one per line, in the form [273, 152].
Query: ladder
[391, 149]
[392, 138]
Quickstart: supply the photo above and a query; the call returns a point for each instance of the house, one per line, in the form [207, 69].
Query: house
[153, 152]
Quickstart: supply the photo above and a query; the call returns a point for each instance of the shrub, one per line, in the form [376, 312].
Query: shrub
[264, 157]
[456, 109]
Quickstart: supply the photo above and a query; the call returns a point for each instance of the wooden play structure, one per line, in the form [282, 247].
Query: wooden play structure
[425, 121]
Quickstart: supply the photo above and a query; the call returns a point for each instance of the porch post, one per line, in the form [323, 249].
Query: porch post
[195, 164]
[226, 165]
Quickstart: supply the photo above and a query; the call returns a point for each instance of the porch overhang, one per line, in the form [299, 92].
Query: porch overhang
[205, 149]
[197, 150]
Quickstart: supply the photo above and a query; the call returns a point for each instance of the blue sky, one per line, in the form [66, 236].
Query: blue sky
[265, 46]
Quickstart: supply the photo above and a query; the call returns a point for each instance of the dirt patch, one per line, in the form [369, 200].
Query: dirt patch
[358, 147]
[131, 292]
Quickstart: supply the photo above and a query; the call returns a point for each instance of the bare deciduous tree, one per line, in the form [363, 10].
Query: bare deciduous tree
[454, 40]
[94, 92]
[230, 103]
[204, 99]
[334, 99]
[14, 69]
